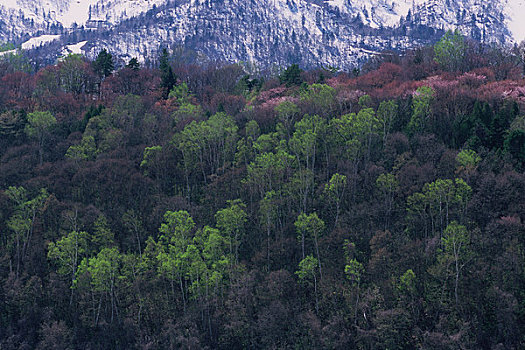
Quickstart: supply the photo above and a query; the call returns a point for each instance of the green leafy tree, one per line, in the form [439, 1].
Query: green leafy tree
[148, 159]
[304, 144]
[335, 190]
[365, 101]
[209, 145]
[104, 273]
[133, 223]
[181, 93]
[268, 215]
[177, 232]
[466, 162]
[287, 111]
[231, 222]
[310, 226]
[102, 236]
[387, 185]
[386, 113]
[38, 127]
[67, 253]
[269, 171]
[320, 98]
[85, 150]
[74, 75]
[456, 241]
[450, 51]
[307, 274]
[353, 271]
[22, 221]
[421, 109]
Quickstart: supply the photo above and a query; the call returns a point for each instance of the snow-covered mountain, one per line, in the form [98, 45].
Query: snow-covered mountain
[341, 33]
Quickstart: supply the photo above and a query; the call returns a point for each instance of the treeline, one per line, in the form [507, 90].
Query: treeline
[202, 207]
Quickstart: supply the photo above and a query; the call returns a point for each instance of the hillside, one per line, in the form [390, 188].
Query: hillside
[198, 206]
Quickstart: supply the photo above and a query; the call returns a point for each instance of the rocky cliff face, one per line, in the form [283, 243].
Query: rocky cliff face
[339, 33]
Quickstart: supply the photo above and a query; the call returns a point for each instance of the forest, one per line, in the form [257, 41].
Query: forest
[180, 206]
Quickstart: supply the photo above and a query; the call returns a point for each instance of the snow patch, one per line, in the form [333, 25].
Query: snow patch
[515, 12]
[74, 48]
[39, 41]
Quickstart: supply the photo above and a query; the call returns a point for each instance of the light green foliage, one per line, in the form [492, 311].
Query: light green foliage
[38, 127]
[268, 171]
[336, 186]
[386, 113]
[352, 132]
[450, 51]
[102, 235]
[72, 74]
[209, 144]
[68, 251]
[181, 93]
[467, 159]
[320, 97]
[199, 258]
[39, 123]
[353, 271]
[177, 229]
[455, 239]
[310, 226]
[231, 222]
[177, 233]
[407, 282]
[104, 269]
[252, 129]
[307, 268]
[85, 150]
[334, 190]
[207, 262]
[387, 183]
[455, 252]
[304, 141]
[286, 112]
[365, 101]
[307, 274]
[245, 146]
[101, 275]
[108, 129]
[266, 143]
[188, 111]
[420, 109]
[150, 153]
[308, 133]
[22, 221]
[440, 200]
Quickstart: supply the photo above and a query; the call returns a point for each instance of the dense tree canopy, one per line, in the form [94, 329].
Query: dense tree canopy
[221, 210]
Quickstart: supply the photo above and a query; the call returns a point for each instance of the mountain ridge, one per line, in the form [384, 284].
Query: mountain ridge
[312, 33]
